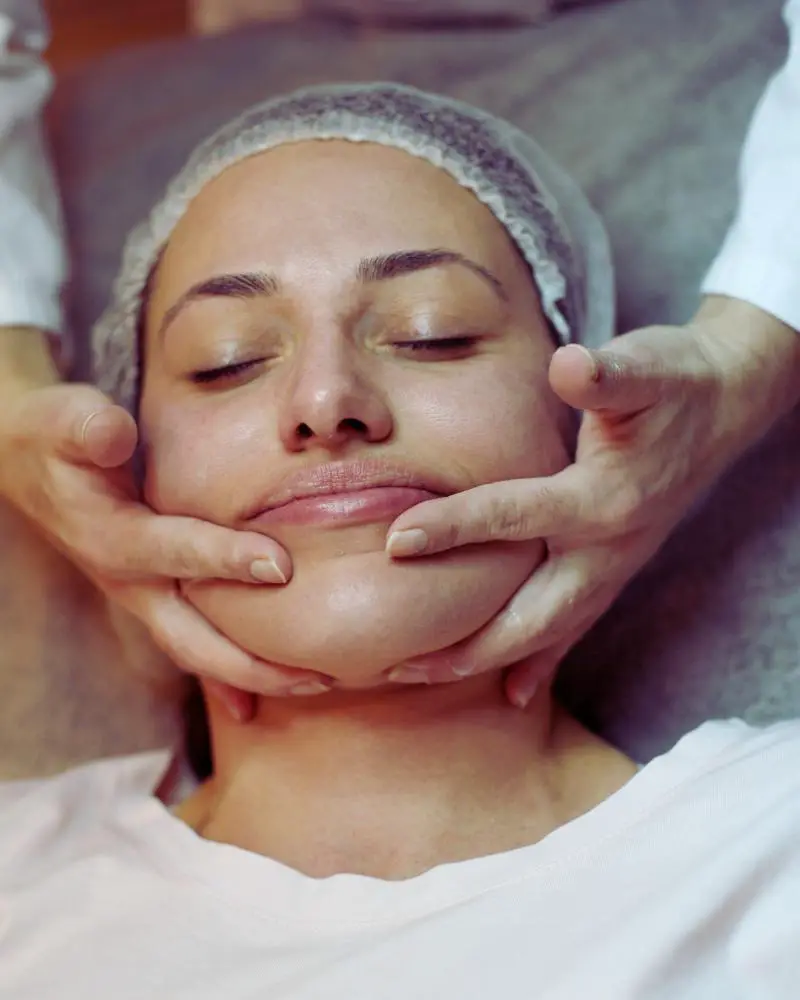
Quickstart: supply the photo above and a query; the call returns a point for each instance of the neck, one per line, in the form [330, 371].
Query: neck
[391, 782]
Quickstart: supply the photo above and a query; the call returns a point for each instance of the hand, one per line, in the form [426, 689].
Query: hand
[665, 410]
[65, 454]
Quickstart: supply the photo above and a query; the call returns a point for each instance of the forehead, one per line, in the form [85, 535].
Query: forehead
[323, 205]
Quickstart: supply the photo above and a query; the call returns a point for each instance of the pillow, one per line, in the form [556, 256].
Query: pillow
[646, 105]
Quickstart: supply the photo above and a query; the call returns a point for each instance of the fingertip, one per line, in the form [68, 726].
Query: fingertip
[265, 561]
[576, 357]
[406, 543]
[240, 705]
[268, 570]
[521, 691]
[573, 369]
[108, 437]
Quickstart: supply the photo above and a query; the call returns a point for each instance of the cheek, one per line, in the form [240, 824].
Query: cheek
[493, 425]
[200, 460]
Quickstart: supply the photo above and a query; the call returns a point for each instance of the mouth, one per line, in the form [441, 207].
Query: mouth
[346, 493]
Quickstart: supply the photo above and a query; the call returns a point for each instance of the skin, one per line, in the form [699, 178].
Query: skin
[330, 353]
[665, 411]
[677, 392]
[65, 454]
[369, 777]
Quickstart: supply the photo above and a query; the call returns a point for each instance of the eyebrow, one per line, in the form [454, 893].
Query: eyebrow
[385, 267]
[234, 286]
[395, 265]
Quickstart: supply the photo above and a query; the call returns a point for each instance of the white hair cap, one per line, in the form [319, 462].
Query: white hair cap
[543, 210]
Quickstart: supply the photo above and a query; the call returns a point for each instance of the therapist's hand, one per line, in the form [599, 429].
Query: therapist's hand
[665, 410]
[65, 454]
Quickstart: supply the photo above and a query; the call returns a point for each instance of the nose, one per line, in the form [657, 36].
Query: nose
[332, 400]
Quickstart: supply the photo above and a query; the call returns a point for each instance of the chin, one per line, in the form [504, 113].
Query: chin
[358, 615]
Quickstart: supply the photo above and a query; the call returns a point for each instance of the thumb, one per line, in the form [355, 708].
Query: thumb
[90, 428]
[614, 379]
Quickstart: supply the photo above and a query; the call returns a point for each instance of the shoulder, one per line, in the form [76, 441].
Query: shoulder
[50, 820]
[761, 751]
[735, 745]
[754, 767]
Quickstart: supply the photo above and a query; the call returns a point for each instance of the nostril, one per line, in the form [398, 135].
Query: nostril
[346, 428]
[353, 424]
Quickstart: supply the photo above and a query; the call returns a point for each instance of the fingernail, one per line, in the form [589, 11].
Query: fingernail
[408, 675]
[232, 700]
[309, 688]
[267, 571]
[521, 699]
[596, 369]
[235, 709]
[85, 426]
[411, 542]
[462, 669]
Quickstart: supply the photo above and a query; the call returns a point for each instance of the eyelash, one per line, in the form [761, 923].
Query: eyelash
[432, 344]
[447, 344]
[210, 375]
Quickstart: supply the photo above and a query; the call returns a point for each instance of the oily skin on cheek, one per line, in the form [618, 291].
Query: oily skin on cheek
[478, 419]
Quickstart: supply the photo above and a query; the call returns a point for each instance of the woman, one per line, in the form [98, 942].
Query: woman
[346, 305]
[62, 469]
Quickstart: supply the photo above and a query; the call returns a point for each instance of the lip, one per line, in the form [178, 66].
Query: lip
[356, 492]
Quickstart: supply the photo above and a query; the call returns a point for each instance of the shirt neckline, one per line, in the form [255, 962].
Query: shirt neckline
[273, 891]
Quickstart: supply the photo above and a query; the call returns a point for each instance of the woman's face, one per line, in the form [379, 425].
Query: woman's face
[338, 331]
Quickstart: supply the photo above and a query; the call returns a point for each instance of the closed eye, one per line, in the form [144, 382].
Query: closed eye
[437, 345]
[225, 372]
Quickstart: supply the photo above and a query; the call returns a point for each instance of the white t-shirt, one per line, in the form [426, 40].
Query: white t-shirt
[684, 885]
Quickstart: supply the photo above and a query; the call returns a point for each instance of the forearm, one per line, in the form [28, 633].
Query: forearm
[26, 362]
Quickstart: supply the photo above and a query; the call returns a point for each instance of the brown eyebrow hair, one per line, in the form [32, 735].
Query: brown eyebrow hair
[395, 265]
[384, 267]
[237, 286]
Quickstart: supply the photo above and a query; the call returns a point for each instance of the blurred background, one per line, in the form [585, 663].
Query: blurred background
[82, 29]
[85, 28]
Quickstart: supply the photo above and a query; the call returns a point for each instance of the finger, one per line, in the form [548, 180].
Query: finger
[193, 643]
[515, 510]
[184, 548]
[109, 437]
[525, 679]
[608, 380]
[240, 705]
[85, 426]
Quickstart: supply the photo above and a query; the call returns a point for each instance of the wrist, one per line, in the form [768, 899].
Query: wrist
[758, 357]
[26, 360]
[26, 364]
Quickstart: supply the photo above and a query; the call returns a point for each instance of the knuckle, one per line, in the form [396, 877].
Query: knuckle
[448, 536]
[504, 521]
[182, 563]
[177, 555]
[452, 535]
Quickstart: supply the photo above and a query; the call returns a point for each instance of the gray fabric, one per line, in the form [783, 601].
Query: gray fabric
[646, 104]
[418, 12]
[502, 167]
